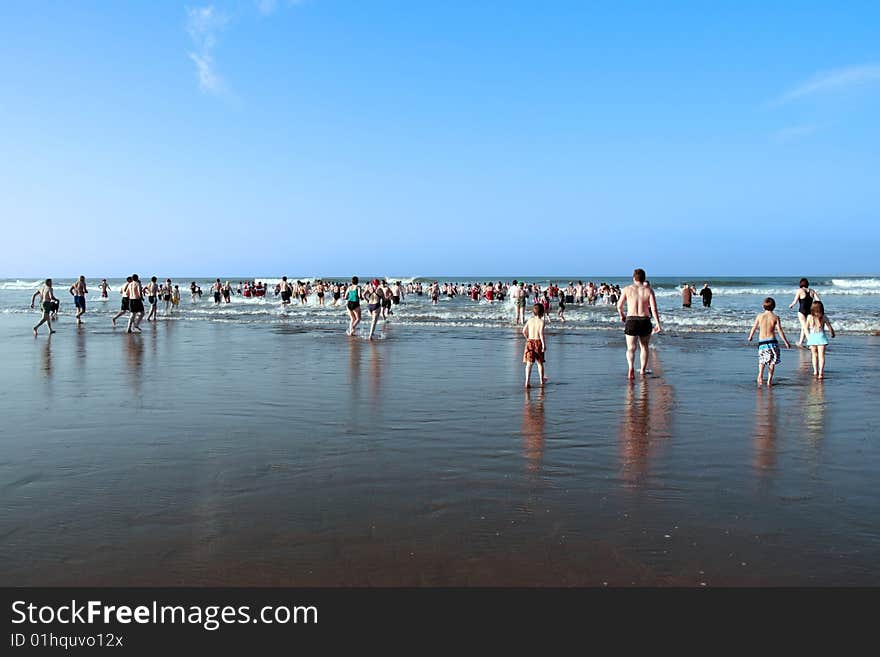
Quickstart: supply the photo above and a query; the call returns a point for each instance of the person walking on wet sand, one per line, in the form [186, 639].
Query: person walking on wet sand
[353, 305]
[386, 300]
[641, 305]
[817, 339]
[47, 296]
[79, 291]
[374, 297]
[123, 310]
[135, 294]
[768, 346]
[152, 291]
[166, 295]
[536, 347]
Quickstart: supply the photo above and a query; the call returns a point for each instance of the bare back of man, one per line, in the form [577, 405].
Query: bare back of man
[135, 294]
[641, 305]
[687, 293]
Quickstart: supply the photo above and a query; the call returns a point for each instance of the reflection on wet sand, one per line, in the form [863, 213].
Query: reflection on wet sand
[81, 342]
[644, 421]
[533, 430]
[475, 482]
[81, 349]
[47, 356]
[151, 337]
[764, 462]
[354, 374]
[134, 361]
[814, 414]
[805, 361]
[376, 355]
[358, 349]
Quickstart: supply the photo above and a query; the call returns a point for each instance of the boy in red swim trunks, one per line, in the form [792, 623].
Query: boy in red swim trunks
[535, 345]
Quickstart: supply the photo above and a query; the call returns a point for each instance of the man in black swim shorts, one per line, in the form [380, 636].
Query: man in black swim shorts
[285, 291]
[124, 309]
[641, 305]
[639, 327]
[135, 294]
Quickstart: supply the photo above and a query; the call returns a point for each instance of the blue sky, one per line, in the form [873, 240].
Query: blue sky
[323, 137]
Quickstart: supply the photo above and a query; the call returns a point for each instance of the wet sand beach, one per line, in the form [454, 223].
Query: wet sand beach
[212, 453]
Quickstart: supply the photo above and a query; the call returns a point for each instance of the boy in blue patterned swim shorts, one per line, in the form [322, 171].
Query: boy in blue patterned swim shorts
[768, 345]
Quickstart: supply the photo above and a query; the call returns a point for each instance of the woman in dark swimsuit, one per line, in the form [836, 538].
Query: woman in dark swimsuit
[353, 298]
[374, 297]
[804, 297]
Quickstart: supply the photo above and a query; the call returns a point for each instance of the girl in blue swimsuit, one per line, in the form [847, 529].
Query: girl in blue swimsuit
[817, 340]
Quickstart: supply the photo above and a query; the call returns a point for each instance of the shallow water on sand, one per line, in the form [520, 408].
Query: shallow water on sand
[211, 453]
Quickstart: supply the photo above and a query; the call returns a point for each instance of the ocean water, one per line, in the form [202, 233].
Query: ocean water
[234, 445]
[852, 303]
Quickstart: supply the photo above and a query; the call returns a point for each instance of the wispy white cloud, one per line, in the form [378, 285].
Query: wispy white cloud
[830, 81]
[203, 25]
[794, 133]
[266, 7]
[209, 81]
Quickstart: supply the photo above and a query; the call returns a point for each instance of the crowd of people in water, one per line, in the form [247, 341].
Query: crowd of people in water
[636, 305]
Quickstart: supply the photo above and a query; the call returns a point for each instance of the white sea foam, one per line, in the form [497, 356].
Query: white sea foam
[863, 283]
[852, 307]
[21, 285]
[829, 290]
